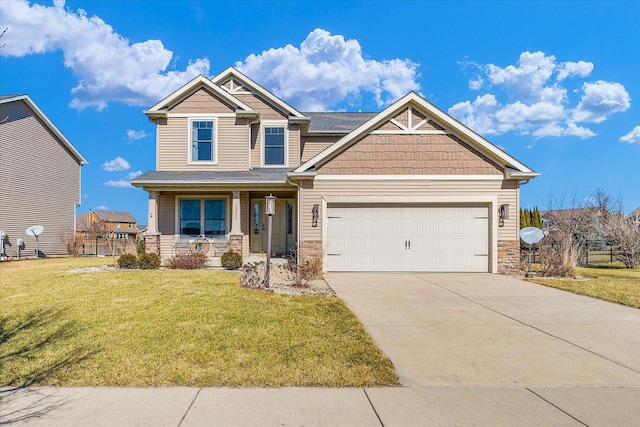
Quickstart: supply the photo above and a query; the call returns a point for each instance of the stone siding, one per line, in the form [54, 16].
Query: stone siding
[152, 244]
[310, 249]
[508, 257]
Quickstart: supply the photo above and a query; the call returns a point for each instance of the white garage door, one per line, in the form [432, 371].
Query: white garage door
[407, 238]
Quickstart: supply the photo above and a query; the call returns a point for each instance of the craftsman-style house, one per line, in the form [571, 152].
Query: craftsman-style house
[405, 189]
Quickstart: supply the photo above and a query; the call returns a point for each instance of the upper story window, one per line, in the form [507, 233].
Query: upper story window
[203, 141]
[275, 145]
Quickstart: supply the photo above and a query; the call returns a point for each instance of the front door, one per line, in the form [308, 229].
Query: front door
[282, 227]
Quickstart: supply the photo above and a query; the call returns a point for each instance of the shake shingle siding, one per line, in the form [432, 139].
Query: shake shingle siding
[39, 179]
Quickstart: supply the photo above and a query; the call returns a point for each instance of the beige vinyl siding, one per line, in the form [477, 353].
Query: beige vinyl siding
[40, 181]
[203, 101]
[267, 112]
[256, 144]
[312, 193]
[232, 145]
[173, 145]
[294, 146]
[312, 145]
[412, 154]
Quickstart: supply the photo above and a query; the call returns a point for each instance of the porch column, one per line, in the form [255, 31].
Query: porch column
[235, 214]
[152, 237]
[152, 227]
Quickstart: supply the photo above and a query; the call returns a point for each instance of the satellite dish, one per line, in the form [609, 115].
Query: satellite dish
[531, 235]
[34, 230]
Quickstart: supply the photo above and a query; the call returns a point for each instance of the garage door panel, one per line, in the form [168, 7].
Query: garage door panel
[407, 238]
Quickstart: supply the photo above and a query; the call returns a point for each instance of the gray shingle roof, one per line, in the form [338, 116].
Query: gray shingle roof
[339, 122]
[112, 216]
[254, 176]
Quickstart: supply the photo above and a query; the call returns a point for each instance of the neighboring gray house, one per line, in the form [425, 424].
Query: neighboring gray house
[405, 189]
[39, 178]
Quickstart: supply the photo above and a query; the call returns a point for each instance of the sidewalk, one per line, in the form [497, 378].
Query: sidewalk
[402, 406]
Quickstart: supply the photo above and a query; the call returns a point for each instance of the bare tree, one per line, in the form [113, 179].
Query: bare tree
[71, 243]
[624, 235]
[564, 246]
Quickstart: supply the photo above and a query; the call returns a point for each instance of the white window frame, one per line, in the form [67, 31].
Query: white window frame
[202, 198]
[206, 118]
[272, 124]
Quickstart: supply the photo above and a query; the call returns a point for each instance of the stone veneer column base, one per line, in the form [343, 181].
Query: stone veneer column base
[508, 257]
[152, 244]
[235, 243]
[310, 249]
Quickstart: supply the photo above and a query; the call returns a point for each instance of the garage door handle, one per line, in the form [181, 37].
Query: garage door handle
[407, 244]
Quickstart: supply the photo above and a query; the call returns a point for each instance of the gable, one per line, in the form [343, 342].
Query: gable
[419, 138]
[21, 118]
[267, 112]
[414, 154]
[410, 143]
[203, 101]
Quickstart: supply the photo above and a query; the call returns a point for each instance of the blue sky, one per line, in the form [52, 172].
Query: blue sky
[554, 84]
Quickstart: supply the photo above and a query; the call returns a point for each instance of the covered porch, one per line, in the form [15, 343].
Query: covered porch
[215, 216]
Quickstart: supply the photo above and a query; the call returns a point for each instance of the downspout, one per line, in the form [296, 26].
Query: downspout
[249, 124]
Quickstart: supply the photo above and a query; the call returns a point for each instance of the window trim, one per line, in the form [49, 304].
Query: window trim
[207, 118]
[202, 198]
[272, 124]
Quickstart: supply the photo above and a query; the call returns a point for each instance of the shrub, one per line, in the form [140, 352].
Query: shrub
[301, 275]
[141, 247]
[149, 261]
[128, 261]
[190, 261]
[253, 275]
[231, 260]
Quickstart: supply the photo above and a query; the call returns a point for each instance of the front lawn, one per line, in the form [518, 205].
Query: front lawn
[614, 285]
[173, 327]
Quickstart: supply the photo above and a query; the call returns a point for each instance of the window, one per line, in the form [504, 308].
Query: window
[289, 218]
[203, 217]
[202, 141]
[274, 145]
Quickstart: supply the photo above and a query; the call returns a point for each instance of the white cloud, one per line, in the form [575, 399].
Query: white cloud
[632, 137]
[135, 174]
[570, 69]
[122, 183]
[528, 99]
[327, 69]
[600, 100]
[133, 135]
[109, 68]
[117, 164]
[102, 208]
[476, 84]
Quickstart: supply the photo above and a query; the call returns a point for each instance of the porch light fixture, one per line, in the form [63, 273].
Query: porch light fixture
[503, 213]
[270, 210]
[314, 215]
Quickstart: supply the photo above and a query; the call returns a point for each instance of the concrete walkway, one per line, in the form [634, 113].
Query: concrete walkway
[470, 349]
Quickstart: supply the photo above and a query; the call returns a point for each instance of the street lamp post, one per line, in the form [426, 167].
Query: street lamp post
[270, 211]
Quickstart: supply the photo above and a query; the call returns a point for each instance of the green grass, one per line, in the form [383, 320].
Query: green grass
[615, 285]
[173, 327]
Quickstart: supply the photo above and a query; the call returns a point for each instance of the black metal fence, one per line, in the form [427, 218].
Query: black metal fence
[595, 252]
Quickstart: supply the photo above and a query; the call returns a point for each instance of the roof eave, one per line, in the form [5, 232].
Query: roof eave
[510, 173]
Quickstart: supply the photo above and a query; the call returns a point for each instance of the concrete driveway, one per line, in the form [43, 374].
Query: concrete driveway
[510, 350]
[491, 330]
